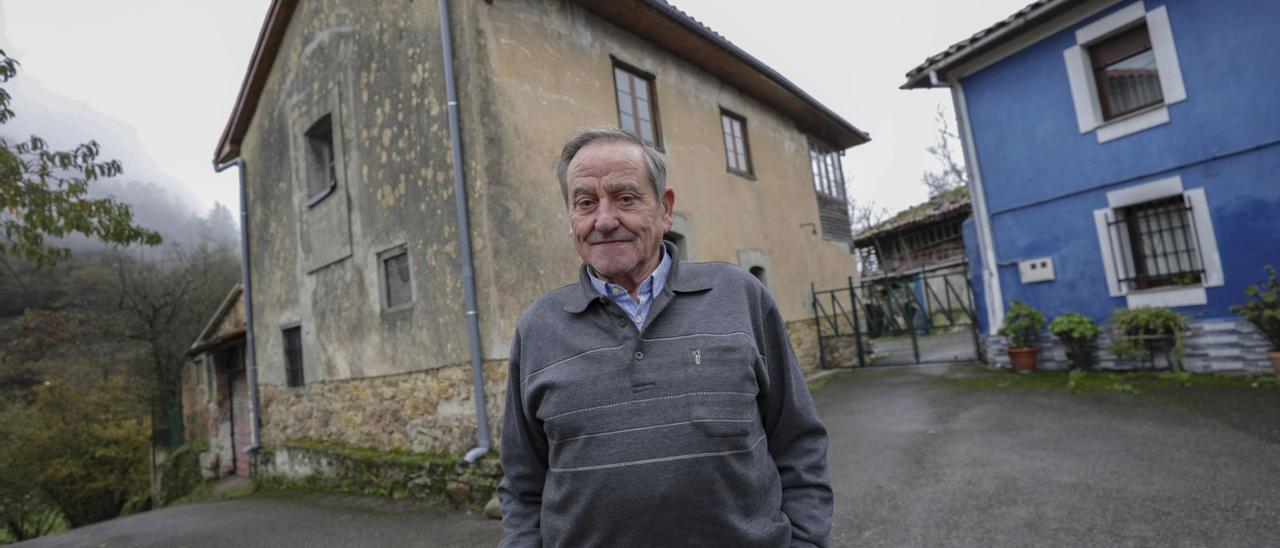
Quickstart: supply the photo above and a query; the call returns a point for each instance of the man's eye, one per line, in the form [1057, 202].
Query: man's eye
[584, 204]
[626, 200]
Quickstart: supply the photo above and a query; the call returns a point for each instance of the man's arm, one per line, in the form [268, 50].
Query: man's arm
[797, 439]
[524, 464]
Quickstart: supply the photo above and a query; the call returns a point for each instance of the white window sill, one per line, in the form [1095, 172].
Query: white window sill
[1134, 122]
[1167, 297]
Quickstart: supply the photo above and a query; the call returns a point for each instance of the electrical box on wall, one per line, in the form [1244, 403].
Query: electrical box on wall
[1036, 270]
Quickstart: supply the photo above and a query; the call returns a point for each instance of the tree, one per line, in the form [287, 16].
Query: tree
[865, 215]
[43, 193]
[952, 174]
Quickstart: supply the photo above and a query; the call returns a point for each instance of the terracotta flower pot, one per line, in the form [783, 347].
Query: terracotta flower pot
[1274, 356]
[1024, 359]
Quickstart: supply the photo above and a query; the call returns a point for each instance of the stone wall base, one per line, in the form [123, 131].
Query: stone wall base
[839, 352]
[429, 411]
[1212, 345]
[397, 475]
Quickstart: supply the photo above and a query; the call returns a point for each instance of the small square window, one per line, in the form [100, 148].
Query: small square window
[397, 287]
[637, 104]
[737, 152]
[293, 356]
[1124, 69]
[322, 166]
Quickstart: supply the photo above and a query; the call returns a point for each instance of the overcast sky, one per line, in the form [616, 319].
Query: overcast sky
[154, 80]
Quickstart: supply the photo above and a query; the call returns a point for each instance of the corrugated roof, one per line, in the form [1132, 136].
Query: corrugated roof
[1014, 25]
[948, 204]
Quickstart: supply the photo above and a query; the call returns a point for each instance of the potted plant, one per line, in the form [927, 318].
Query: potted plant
[1143, 332]
[1078, 334]
[1022, 325]
[1263, 311]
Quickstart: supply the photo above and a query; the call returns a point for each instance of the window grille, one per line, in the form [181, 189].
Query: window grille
[293, 356]
[1155, 244]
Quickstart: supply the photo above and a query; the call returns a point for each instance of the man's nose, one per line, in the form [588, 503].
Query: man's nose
[606, 217]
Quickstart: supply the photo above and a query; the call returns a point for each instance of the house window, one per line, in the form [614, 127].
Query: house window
[758, 272]
[737, 152]
[293, 356]
[1158, 245]
[397, 289]
[828, 175]
[1125, 72]
[1161, 244]
[637, 104]
[828, 184]
[322, 167]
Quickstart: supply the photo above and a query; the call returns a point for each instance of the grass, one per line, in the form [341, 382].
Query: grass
[1123, 382]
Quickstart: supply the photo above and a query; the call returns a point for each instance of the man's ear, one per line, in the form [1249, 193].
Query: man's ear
[668, 207]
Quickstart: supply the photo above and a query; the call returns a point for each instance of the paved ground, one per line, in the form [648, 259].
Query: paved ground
[920, 456]
[938, 347]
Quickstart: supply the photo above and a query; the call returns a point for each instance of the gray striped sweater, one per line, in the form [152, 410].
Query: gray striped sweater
[696, 430]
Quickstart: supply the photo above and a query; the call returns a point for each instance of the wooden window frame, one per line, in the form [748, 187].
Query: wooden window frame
[730, 153]
[1099, 66]
[638, 74]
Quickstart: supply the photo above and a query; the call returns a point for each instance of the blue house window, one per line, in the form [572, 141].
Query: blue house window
[1161, 242]
[1124, 68]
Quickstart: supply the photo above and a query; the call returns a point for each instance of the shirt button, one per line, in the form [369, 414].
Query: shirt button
[637, 319]
[639, 355]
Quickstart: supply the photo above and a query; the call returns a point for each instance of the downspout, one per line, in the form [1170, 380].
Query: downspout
[986, 241]
[247, 281]
[464, 233]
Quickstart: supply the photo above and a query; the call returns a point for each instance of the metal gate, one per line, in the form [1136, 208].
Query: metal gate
[918, 318]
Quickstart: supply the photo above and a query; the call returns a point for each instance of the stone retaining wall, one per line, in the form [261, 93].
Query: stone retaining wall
[428, 411]
[398, 475]
[1212, 346]
[840, 352]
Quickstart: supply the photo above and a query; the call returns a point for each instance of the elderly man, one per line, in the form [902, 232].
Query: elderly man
[654, 402]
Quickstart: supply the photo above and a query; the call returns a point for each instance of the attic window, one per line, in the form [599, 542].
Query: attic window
[1124, 69]
[322, 163]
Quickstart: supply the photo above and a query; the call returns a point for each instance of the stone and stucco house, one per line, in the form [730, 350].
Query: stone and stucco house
[358, 256]
[1122, 154]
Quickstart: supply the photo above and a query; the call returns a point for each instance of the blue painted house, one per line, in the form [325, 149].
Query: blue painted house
[1122, 154]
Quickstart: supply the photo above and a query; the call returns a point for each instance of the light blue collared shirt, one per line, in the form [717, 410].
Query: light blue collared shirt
[649, 289]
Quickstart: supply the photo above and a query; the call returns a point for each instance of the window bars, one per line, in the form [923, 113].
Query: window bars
[1155, 244]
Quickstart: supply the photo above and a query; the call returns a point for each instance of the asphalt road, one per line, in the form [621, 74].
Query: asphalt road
[917, 458]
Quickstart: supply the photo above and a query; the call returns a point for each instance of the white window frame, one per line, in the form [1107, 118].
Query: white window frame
[1084, 90]
[1169, 297]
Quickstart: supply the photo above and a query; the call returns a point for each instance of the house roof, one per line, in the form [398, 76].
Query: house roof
[209, 336]
[953, 203]
[1025, 20]
[653, 20]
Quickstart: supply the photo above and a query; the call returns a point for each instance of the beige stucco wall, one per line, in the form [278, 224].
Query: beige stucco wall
[529, 75]
[551, 73]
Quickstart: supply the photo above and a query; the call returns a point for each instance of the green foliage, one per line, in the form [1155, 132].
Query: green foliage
[43, 193]
[1142, 331]
[180, 472]
[1022, 324]
[82, 446]
[1074, 326]
[1263, 310]
[1078, 334]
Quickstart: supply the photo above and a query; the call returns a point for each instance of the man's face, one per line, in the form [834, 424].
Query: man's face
[616, 218]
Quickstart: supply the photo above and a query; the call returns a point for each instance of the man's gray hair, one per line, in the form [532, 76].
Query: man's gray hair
[654, 162]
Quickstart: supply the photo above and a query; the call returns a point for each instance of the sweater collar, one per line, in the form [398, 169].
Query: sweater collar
[676, 283]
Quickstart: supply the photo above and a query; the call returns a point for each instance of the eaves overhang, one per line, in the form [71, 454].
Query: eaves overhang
[653, 20]
[935, 68]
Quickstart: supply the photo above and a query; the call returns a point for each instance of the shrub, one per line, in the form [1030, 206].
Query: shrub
[1142, 331]
[1078, 334]
[1022, 324]
[1263, 311]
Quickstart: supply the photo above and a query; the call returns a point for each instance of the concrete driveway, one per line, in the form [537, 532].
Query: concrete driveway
[920, 456]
